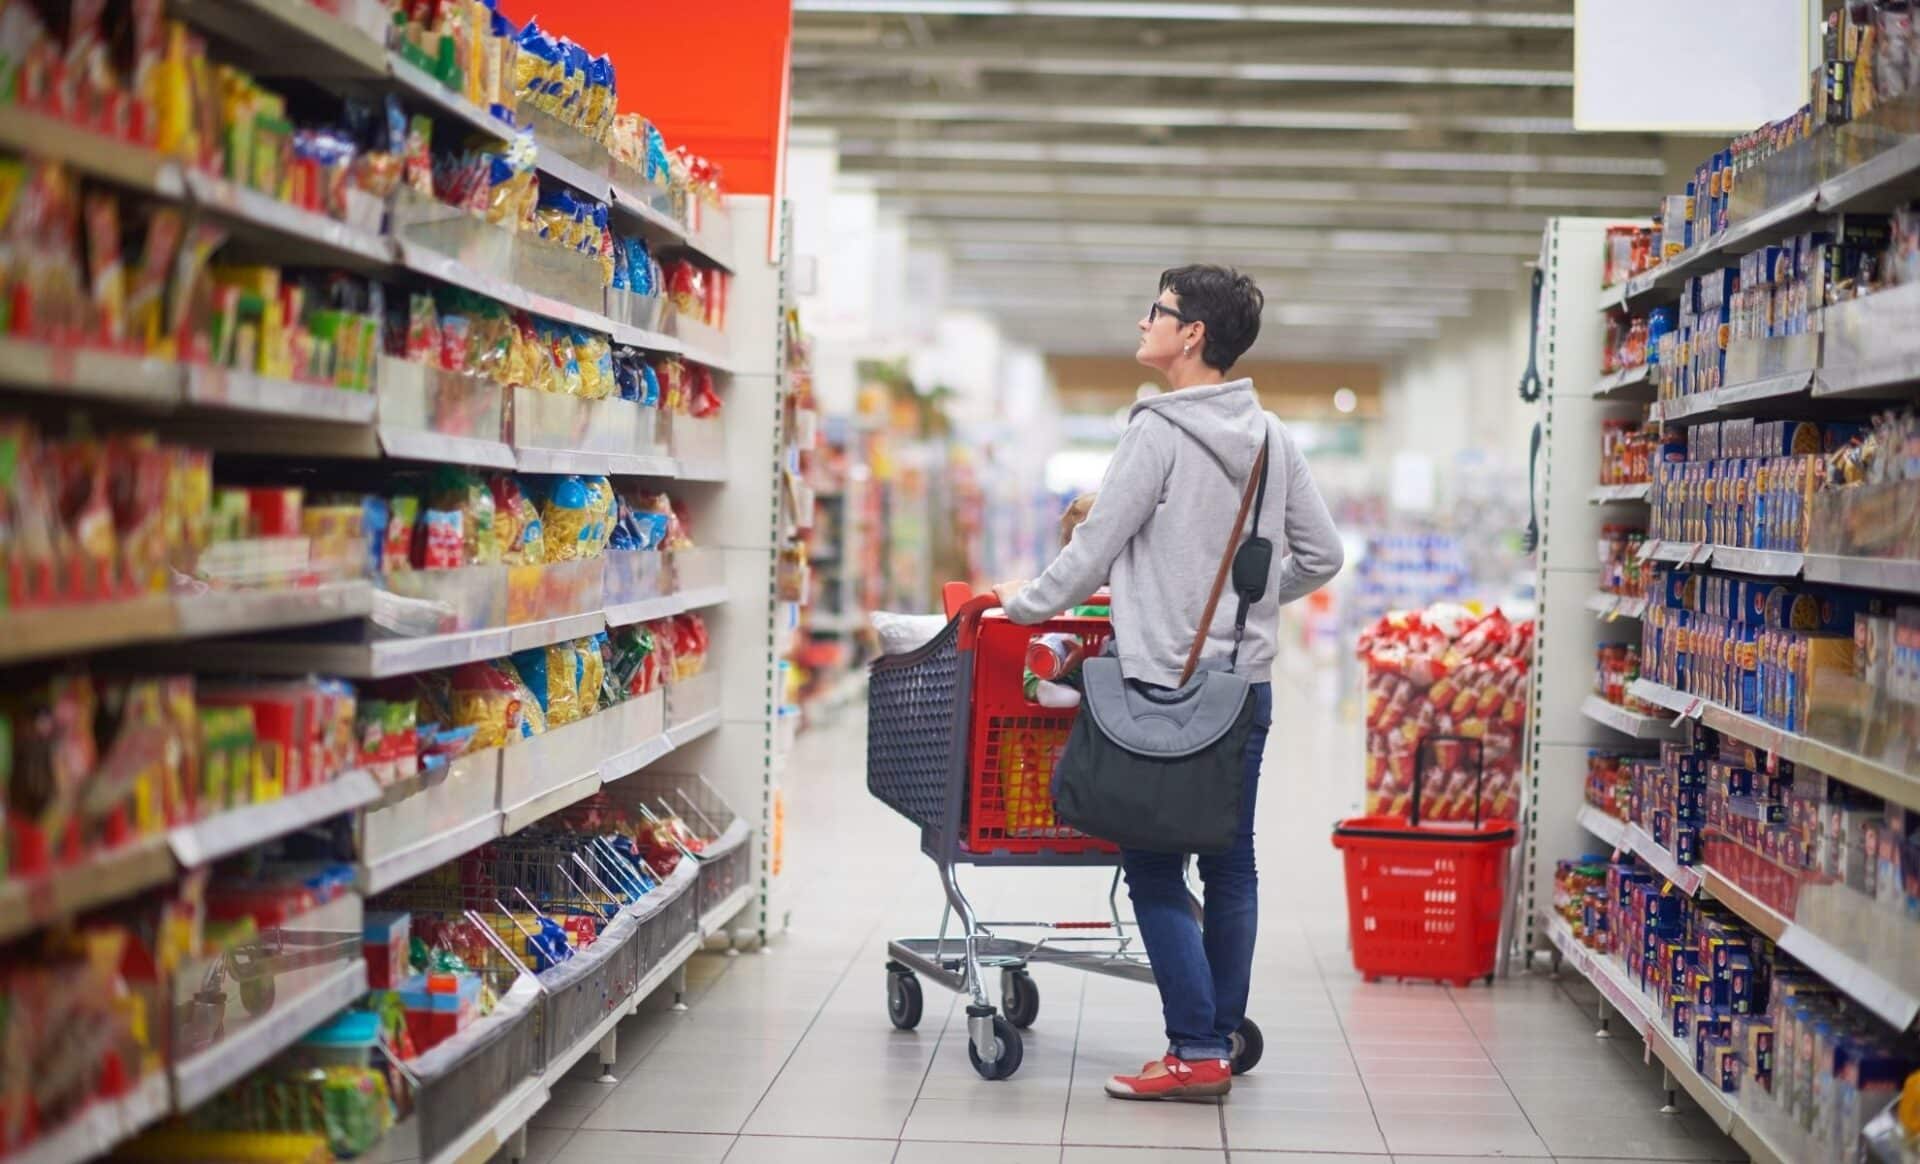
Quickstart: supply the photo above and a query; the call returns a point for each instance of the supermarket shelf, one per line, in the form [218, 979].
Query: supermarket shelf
[1628, 384]
[332, 239]
[714, 360]
[1613, 296]
[415, 444]
[28, 902]
[1770, 225]
[100, 1126]
[645, 466]
[1685, 878]
[492, 1131]
[1870, 380]
[424, 86]
[230, 832]
[201, 1076]
[1638, 491]
[538, 808]
[38, 367]
[529, 459]
[422, 260]
[630, 760]
[1880, 779]
[1640, 727]
[245, 392]
[1677, 553]
[715, 920]
[93, 154]
[1734, 399]
[687, 470]
[1866, 573]
[1631, 838]
[232, 612]
[402, 656]
[1762, 917]
[683, 734]
[69, 630]
[1610, 979]
[429, 853]
[1858, 980]
[1761, 563]
[1609, 829]
[665, 606]
[326, 45]
[1612, 606]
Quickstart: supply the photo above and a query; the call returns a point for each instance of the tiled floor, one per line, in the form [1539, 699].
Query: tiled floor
[786, 1057]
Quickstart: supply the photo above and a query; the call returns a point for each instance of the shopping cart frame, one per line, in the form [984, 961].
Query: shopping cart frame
[922, 700]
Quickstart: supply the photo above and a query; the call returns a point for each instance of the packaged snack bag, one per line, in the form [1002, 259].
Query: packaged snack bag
[443, 539]
[566, 518]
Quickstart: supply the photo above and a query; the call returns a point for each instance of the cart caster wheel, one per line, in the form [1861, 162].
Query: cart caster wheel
[904, 1000]
[256, 995]
[1248, 1046]
[1007, 1061]
[1489, 980]
[1019, 998]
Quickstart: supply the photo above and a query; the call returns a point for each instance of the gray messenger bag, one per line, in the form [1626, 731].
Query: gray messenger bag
[1163, 769]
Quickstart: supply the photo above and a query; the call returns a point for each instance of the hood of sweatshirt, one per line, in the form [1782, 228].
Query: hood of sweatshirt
[1225, 418]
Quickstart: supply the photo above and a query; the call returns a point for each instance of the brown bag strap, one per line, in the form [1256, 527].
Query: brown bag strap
[1226, 564]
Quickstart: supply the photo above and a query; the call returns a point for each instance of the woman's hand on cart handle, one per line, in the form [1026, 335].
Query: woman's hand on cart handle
[1005, 592]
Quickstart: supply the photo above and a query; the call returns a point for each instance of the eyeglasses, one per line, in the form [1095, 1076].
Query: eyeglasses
[1158, 309]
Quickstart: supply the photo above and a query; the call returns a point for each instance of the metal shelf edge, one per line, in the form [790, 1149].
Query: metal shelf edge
[429, 853]
[237, 829]
[204, 1074]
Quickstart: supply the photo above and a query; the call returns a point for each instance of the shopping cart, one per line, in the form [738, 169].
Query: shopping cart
[1424, 901]
[954, 745]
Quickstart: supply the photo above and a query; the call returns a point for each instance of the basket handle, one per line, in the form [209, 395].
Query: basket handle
[1479, 770]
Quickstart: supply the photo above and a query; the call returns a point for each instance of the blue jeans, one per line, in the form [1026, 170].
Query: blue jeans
[1204, 971]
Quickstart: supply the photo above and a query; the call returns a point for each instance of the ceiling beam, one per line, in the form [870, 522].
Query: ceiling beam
[999, 58]
[1269, 13]
[1171, 115]
[1170, 155]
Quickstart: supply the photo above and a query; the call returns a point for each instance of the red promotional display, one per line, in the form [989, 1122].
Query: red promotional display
[712, 77]
[1445, 672]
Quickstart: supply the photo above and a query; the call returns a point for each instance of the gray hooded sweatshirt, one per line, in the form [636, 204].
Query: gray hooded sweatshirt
[1161, 523]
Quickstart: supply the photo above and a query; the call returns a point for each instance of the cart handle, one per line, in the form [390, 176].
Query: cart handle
[965, 608]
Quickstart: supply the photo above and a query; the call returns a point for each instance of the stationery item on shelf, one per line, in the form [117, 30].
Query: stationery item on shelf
[1445, 672]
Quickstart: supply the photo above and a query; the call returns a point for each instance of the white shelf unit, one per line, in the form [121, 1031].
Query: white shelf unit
[731, 743]
[1562, 723]
[1863, 949]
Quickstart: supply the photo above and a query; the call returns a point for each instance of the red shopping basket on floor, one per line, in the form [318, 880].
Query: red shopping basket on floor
[1424, 901]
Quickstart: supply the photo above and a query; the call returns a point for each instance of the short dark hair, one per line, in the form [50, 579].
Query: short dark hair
[1226, 301]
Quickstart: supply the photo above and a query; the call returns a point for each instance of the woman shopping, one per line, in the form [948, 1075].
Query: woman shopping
[1154, 534]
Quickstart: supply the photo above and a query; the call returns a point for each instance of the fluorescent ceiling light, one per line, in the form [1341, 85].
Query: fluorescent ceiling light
[1191, 116]
[1153, 65]
[1159, 255]
[1260, 13]
[1160, 238]
[1265, 190]
[1218, 157]
[1277, 213]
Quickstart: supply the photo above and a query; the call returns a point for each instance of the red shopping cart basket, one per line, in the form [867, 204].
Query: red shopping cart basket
[1424, 901]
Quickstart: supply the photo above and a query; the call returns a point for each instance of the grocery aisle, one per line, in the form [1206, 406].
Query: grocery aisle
[788, 1056]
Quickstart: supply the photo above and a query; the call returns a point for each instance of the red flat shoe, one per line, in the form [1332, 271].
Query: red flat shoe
[1175, 1079]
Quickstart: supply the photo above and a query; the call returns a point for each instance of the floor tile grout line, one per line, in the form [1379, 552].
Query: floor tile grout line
[859, 951]
[1339, 1020]
[1498, 1071]
[1073, 1068]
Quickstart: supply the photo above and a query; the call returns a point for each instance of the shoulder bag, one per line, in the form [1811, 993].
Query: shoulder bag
[1164, 769]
